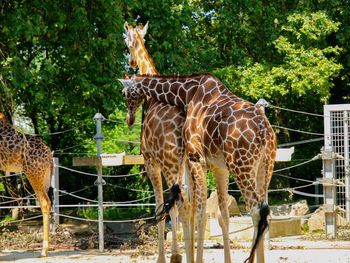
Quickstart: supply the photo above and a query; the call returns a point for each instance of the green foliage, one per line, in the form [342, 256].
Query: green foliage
[114, 213]
[306, 65]
[60, 61]
[118, 137]
[7, 218]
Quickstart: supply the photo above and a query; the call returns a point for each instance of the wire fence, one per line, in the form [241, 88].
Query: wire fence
[85, 202]
[88, 202]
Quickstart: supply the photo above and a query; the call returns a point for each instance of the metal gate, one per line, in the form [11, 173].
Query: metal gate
[337, 135]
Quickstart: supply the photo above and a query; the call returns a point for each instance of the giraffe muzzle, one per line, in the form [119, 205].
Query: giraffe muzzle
[133, 64]
[130, 119]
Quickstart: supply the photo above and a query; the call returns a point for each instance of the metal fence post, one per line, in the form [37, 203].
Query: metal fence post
[329, 190]
[56, 200]
[98, 118]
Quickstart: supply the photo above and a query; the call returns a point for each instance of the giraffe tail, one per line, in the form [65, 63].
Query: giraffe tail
[264, 211]
[50, 194]
[49, 183]
[164, 209]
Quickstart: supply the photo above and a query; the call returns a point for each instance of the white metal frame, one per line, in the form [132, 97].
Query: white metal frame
[336, 129]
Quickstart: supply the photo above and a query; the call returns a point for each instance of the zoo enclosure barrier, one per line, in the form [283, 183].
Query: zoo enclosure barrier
[329, 184]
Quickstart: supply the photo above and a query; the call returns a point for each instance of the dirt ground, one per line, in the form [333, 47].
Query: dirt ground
[291, 249]
[71, 244]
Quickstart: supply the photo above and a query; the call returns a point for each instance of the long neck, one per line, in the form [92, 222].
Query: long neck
[174, 91]
[143, 60]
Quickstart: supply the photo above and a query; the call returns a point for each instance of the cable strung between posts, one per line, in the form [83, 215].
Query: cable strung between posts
[91, 174]
[95, 201]
[18, 198]
[290, 177]
[306, 194]
[296, 165]
[136, 190]
[20, 220]
[71, 147]
[11, 175]
[122, 141]
[292, 188]
[295, 130]
[59, 132]
[106, 221]
[296, 111]
[121, 122]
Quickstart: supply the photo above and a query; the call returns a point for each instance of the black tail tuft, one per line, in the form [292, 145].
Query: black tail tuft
[264, 211]
[50, 194]
[164, 209]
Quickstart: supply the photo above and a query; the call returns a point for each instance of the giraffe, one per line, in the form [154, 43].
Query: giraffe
[223, 132]
[28, 154]
[139, 56]
[161, 145]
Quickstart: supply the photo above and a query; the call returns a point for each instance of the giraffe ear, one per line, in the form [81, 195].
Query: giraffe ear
[127, 83]
[143, 31]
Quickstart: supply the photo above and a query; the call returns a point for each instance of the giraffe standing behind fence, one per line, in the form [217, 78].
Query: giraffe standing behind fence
[223, 132]
[28, 154]
[161, 145]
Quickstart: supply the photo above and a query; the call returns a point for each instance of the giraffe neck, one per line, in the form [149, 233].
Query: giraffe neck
[180, 91]
[143, 59]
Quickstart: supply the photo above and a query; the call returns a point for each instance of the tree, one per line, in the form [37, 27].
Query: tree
[60, 62]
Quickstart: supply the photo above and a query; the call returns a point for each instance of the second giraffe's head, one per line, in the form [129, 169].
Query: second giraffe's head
[134, 96]
[134, 38]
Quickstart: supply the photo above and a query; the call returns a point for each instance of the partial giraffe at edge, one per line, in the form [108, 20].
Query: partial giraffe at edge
[28, 154]
[224, 132]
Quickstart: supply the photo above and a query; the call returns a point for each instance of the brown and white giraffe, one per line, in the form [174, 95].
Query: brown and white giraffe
[161, 145]
[28, 154]
[139, 56]
[223, 132]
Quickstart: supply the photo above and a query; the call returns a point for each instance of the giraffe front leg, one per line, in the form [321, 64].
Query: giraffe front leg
[199, 203]
[185, 215]
[175, 254]
[153, 172]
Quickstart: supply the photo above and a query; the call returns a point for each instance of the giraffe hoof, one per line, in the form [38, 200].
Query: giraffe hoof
[43, 253]
[176, 258]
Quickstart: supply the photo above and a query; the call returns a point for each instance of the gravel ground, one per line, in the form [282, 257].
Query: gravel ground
[212, 255]
[291, 249]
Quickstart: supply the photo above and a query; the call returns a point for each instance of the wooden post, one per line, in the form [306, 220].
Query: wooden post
[56, 200]
[99, 138]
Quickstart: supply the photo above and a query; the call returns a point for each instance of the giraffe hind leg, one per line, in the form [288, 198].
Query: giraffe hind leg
[261, 224]
[40, 180]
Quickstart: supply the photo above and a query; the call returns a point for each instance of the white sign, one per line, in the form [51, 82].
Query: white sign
[114, 159]
[284, 154]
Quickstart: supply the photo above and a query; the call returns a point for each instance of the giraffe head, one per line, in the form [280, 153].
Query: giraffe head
[134, 38]
[133, 96]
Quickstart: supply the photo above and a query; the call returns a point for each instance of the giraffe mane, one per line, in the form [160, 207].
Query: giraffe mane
[194, 75]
